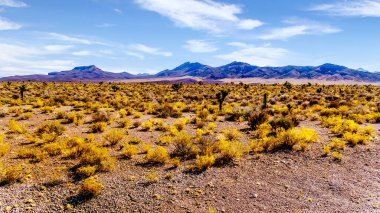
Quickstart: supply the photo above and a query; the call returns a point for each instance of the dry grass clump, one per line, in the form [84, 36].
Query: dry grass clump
[4, 147]
[91, 187]
[98, 127]
[15, 127]
[129, 150]
[114, 137]
[297, 139]
[158, 155]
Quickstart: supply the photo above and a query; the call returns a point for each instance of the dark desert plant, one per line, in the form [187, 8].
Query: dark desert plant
[221, 96]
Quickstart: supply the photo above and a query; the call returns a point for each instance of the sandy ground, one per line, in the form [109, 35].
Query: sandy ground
[275, 182]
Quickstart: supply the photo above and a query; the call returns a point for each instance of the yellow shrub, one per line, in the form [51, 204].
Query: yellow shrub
[184, 145]
[298, 139]
[14, 173]
[16, 127]
[47, 109]
[146, 147]
[338, 144]
[50, 128]
[4, 147]
[326, 150]
[113, 137]
[204, 162]
[98, 127]
[230, 150]
[356, 138]
[91, 187]
[53, 149]
[129, 150]
[99, 157]
[26, 152]
[86, 171]
[165, 139]
[337, 155]
[263, 130]
[231, 134]
[151, 176]
[147, 125]
[158, 155]
[137, 115]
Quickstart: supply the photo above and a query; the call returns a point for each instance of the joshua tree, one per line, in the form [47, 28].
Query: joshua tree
[23, 89]
[221, 96]
[265, 101]
[115, 88]
[288, 85]
[177, 86]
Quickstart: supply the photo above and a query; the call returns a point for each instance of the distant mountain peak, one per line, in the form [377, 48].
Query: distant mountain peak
[86, 68]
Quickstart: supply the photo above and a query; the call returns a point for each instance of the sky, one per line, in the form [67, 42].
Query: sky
[148, 36]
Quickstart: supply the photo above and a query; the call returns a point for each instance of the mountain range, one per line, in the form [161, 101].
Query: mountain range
[330, 72]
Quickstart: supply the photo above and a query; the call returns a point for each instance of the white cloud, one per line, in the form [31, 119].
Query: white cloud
[256, 55]
[57, 48]
[100, 53]
[206, 15]
[200, 46]
[297, 28]
[118, 10]
[8, 25]
[149, 50]
[365, 8]
[249, 24]
[105, 25]
[12, 3]
[77, 40]
[84, 53]
[22, 59]
[136, 55]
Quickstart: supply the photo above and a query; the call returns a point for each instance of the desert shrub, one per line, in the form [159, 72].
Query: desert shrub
[26, 152]
[337, 156]
[101, 116]
[91, 187]
[158, 155]
[114, 137]
[263, 130]
[53, 149]
[180, 124]
[165, 139]
[26, 116]
[125, 123]
[147, 125]
[137, 115]
[231, 134]
[296, 138]
[257, 118]
[16, 127]
[204, 161]
[337, 144]
[146, 147]
[184, 145]
[86, 171]
[50, 128]
[13, 174]
[326, 150]
[286, 123]
[98, 127]
[98, 157]
[168, 110]
[47, 109]
[356, 138]
[129, 150]
[4, 147]
[230, 150]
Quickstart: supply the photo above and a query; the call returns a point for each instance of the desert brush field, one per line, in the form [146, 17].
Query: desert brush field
[145, 147]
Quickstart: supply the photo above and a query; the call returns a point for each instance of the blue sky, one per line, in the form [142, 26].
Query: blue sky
[147, 36]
